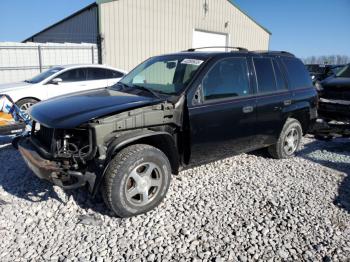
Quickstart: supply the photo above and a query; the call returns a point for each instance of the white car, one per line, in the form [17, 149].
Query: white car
[61, 80]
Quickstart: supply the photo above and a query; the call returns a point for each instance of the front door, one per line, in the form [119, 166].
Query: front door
[73, 80]
[223, 123]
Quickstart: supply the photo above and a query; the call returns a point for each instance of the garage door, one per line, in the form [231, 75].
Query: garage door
[203, 39]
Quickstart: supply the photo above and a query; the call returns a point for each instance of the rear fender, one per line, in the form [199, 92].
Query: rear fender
[303, 112]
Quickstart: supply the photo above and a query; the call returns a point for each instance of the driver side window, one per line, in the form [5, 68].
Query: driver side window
[227, 78]
[74, 75]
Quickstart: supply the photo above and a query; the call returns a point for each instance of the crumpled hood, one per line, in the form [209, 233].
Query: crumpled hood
[72, 110]
[13, 86]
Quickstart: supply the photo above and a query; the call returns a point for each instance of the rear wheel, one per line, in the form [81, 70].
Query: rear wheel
[136, 180]
[289, 140]
[26, 103]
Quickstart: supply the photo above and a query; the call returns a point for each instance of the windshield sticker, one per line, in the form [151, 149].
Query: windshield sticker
[192, 62]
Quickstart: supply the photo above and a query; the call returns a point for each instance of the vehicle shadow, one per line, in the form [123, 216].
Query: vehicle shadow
[17, 180]
[334, 154]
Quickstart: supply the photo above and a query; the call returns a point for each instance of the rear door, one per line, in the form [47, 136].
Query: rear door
[96, 78]
[73, 80]
[272, 97]
[113, 76]
[223, 122]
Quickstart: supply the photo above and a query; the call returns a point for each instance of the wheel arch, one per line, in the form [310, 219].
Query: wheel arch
[27, 97]
[162, 140]
[302, 114]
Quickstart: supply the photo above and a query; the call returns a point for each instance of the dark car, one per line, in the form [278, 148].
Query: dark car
[171, 112]
[334, 93]
[319, 72]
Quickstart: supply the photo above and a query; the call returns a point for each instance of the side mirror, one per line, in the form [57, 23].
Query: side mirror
[56, 81]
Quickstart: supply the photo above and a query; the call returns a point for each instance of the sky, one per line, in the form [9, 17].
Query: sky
[303, 27]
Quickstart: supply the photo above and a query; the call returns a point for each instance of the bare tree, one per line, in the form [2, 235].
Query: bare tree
[330, 59]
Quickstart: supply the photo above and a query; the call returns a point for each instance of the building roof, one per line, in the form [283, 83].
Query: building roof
[106, 1]
[230, 1]
[264, 28]
[61, 21]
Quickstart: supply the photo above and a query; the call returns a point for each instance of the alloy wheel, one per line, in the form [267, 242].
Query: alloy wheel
[291, 141]
[143, 184]
[26, 106]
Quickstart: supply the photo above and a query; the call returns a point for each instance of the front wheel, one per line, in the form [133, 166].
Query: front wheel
[289, 140]
[26, 103]
[136, 180]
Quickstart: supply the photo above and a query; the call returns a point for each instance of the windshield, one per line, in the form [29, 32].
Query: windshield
[344, 72]
[42, 76]
[166, 74]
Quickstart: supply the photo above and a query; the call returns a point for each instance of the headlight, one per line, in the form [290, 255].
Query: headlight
[318, 86]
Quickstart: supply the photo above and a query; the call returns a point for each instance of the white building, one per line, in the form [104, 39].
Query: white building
[129, 31]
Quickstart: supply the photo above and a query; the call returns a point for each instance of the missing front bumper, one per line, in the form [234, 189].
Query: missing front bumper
[51, 170]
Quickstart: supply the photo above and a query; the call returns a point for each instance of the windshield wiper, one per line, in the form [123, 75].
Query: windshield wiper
[138, 87]
[28, 81]
[146, 89]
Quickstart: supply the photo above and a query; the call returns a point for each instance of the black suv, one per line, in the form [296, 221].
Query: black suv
[334, 93]
[170, 112]
[319, 72]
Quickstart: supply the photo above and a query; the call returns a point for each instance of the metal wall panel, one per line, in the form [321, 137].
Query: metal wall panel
[133, 30]
[79, 28]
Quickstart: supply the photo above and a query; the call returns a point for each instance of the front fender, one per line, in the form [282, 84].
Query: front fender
[125, 139]
[128, 138]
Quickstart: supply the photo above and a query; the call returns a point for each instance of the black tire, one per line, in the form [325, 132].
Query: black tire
[279, 150]
[26, 103]
[145, 164]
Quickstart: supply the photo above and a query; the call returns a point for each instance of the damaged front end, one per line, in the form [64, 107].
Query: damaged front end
[61, 156]
[72, 158]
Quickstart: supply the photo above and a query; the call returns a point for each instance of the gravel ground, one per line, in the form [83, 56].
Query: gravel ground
[243, 208]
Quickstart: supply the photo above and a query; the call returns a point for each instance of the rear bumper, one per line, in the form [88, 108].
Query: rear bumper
[331, 128]
[51, 170]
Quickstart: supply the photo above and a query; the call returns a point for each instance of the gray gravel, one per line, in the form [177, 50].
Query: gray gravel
[243, 208]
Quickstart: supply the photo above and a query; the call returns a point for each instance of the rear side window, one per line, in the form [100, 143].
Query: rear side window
[74, 75]
[113, 74]
[265, 75]
[227, 78]
[298, 76]
[96, 73]
[280, 81]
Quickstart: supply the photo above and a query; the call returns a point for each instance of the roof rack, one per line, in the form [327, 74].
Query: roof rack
[228, 47]
[275, 53]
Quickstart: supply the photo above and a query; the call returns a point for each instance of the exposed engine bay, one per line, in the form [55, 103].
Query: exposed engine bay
[79, 154]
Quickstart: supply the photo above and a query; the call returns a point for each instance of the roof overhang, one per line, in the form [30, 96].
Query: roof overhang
[243, 12]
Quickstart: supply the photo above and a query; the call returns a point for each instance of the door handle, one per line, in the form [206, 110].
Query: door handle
[287, 102]
[248, 109]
